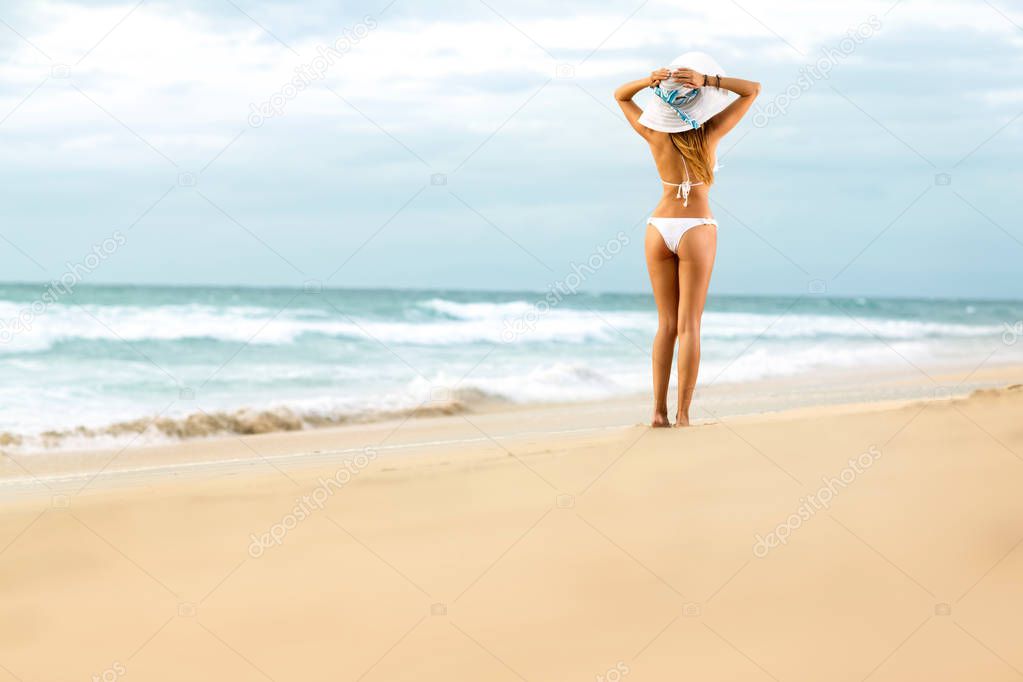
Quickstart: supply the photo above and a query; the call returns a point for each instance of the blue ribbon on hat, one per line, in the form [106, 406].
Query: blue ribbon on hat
[673, 100]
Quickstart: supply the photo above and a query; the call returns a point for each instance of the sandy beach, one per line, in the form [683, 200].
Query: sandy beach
[874, 540]
[331, 337]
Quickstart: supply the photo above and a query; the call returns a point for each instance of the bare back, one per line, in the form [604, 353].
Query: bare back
[669, 167]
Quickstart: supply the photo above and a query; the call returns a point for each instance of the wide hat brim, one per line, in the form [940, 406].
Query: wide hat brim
[697, 108]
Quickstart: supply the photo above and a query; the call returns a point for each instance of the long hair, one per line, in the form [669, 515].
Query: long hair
[692, 145]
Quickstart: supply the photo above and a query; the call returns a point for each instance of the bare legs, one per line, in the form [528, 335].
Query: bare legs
[663, 268]
[680, 286]
[695, 263]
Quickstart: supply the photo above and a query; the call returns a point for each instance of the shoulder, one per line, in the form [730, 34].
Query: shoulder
[656, 138]
[711, 128]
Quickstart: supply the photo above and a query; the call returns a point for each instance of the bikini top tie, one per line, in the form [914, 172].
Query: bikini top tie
[685, 186]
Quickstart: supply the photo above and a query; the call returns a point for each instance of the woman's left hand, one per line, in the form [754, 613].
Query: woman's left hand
[659, 75]
[690, 78]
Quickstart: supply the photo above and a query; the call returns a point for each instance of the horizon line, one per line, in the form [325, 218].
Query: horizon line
[470, 290]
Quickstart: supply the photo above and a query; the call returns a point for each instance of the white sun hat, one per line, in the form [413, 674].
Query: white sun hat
[675, 108]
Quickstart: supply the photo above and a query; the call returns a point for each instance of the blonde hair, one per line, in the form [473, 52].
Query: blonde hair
[692, 145]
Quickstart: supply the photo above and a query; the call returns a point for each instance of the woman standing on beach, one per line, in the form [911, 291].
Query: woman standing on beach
[687, 119]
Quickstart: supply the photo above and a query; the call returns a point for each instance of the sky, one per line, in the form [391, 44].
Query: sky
[477, 144]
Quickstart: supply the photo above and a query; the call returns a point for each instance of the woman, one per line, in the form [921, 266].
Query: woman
[683, 128]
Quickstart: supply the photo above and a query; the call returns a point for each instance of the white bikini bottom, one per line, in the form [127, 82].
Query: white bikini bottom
[672, 229]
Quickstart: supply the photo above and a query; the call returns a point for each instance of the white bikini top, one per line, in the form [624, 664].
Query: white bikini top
[686, 185]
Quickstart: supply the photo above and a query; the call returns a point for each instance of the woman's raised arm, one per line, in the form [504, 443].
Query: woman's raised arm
[733, 113]
[625, 93]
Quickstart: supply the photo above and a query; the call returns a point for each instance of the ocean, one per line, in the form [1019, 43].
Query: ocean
[96, 365]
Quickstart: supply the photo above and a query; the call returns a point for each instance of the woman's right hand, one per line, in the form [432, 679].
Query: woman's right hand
[659, 75]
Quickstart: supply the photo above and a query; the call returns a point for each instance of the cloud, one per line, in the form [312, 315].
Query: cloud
[172, 70]
[171, 87]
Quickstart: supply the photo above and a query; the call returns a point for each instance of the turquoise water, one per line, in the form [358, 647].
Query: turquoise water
[108, 354]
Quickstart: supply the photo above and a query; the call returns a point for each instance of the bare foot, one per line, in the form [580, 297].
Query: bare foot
[660, 421]
[681, 422]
